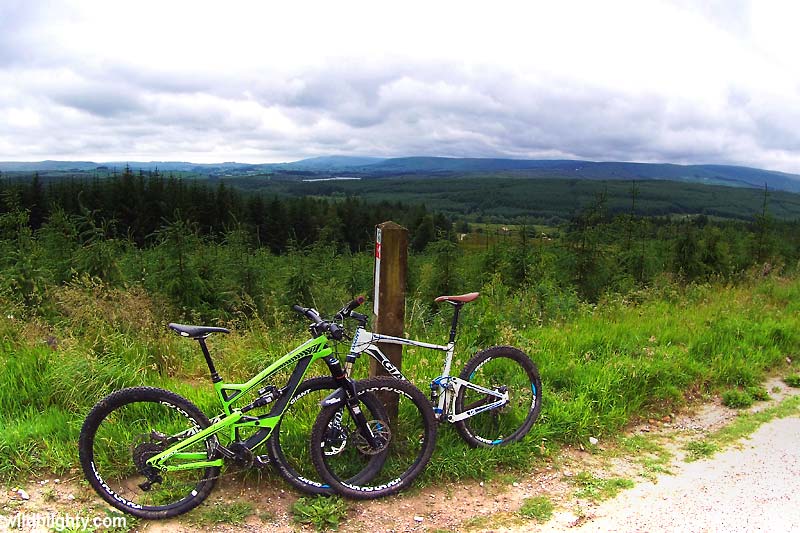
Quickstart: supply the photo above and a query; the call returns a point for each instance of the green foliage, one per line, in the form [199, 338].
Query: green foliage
[321, 512]
[700, 449]
[506, 198]
[623, 318]
[758, 393]
[132, 208]
[599, 489]
[539, 508]
[220, 512]
[439, 275]
[737, 399]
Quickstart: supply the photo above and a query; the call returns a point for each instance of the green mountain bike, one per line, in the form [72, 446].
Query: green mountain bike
[154, 454]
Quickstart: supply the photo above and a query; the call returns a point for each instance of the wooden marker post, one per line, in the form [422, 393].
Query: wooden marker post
[389, 299]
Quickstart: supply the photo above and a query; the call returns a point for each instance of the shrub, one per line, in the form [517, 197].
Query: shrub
[759, 394]
[538, 507]
[320, 512]
[737, 399]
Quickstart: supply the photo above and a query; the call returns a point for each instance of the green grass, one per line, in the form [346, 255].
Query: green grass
[737, 399]
[651, 455]
[131, 523]
[700, 449]
[758, 393]
[320, 512]
[539, 508]
[640, 444]
[49, 494]
[745, 424]
[220, 512]
[793, 380]
[598, 489]
[603, 366]
[477, 522]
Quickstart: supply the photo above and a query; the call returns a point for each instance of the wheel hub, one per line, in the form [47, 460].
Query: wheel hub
[382, 434]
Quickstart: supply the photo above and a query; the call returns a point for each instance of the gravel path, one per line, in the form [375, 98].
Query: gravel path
[755, 488]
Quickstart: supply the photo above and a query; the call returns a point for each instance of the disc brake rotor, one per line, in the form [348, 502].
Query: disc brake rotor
[382, 434]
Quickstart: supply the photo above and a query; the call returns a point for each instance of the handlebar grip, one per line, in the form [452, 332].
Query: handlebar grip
[301, 310]
[347, 309]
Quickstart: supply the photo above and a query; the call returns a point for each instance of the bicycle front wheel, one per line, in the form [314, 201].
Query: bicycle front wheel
[404, 438]
[288, 445]
[127, 428]
[500, 369]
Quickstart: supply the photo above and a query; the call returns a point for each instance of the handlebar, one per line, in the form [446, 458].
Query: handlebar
[309, 312]
[321, 326]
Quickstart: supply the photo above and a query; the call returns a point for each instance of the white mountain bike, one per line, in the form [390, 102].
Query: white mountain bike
[493, 401]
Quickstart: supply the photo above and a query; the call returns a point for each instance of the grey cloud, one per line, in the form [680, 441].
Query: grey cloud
[395, 110]
[172, 81]
[348, 96]
[103, 100]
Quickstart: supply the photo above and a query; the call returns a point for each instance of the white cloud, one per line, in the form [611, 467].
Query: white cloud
[653, 80]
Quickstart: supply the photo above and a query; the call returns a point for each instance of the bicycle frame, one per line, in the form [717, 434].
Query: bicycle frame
[444, 404]
[233, 418]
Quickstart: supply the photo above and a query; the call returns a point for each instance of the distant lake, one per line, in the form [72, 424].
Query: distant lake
[337, 178]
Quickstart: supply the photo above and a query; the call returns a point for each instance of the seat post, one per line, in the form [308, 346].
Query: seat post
[215, 378]
[456, 309]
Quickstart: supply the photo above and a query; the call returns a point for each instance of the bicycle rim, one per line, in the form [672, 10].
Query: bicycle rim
[289, 444]
[406, 431]
[125, 430]
[503, 370]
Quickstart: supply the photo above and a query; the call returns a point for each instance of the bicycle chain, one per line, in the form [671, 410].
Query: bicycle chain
[231, 470]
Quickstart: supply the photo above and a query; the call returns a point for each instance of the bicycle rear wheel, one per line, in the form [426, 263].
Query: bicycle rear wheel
[501, 369]
[405, 432]
[288, 446]
[127, 428]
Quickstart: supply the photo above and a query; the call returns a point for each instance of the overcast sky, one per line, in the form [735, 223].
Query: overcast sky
[660, 81]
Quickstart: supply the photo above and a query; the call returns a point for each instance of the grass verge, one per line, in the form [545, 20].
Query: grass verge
[320, 512]
[221, 513]
[539, 508]
[598, 489]
[745, 424]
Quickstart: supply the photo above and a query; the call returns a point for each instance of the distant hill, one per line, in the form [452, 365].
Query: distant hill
[47, 166]
[734, 176]
[433, 167]
[88, 166]
[553, 201]
[333, 162]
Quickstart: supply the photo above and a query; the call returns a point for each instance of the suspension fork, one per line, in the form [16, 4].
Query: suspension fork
[348, 387]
